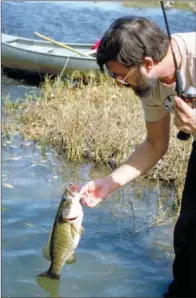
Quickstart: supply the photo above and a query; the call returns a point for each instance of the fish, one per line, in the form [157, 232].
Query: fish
[66, 233]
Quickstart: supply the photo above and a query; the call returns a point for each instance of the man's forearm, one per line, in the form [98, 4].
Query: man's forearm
[140, 161]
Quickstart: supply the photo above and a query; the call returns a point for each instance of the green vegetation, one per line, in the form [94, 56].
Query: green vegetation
[185, 5]
[140, 4]
[99, 121]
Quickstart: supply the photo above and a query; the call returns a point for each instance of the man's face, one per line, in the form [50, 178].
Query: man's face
[141, 83]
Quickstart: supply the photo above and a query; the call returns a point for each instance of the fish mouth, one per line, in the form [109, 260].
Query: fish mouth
[71, 218]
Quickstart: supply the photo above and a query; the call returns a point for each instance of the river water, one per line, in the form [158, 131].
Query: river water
[126, 250]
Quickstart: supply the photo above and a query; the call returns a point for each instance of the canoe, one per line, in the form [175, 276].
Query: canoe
[44, 57]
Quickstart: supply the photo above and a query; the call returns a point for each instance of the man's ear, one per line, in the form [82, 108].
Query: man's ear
[148, 64]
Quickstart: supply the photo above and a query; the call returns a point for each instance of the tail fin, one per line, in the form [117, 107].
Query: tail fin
[49, 274]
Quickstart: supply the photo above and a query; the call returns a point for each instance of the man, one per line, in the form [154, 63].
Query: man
[137, 53]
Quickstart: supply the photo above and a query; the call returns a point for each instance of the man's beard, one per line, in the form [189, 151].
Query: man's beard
[144, 85]
[144, 90]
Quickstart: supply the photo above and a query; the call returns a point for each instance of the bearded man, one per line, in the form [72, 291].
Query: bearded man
[137, 53]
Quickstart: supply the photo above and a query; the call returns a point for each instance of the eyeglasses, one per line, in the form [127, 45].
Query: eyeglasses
[118, 78]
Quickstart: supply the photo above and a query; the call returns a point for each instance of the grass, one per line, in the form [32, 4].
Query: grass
[98, 121]
[140, 4]
[146, 4]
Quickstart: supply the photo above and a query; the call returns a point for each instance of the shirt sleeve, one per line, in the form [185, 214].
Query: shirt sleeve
[152, 110]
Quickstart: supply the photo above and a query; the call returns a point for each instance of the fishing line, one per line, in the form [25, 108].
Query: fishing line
[37, 67]
[178, 76]
[60, 76]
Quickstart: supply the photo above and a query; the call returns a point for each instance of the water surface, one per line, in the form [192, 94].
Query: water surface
[125, 251]
[80, 21]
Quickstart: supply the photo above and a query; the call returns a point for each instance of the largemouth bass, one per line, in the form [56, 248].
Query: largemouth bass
[66, 233]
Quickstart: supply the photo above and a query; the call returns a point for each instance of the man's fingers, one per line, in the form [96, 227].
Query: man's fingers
[177, 122]
[90, 202]
[83, 189]
[89, 187]
[181, 105]
[83, 201]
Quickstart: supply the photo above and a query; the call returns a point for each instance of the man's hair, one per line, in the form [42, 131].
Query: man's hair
[129, 39]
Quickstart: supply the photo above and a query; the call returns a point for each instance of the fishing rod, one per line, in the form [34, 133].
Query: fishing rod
[188, 94]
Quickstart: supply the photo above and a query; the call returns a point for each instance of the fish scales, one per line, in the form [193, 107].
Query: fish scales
[61, 246]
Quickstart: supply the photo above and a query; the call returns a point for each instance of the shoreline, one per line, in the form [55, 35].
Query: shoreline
[184, 5]
[91, 122]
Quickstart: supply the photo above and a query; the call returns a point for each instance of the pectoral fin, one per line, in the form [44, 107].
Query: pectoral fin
[71, 259]
[81, 230]
[74, 231]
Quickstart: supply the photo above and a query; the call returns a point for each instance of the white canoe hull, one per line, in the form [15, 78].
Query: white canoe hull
[43, 57]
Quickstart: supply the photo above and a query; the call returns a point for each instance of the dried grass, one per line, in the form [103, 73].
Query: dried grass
[99, 121]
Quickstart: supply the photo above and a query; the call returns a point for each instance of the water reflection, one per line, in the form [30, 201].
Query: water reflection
[50, 286]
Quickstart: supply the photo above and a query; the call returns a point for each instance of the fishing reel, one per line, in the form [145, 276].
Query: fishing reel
[189, 96]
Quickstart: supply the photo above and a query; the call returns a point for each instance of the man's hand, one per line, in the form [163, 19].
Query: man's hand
[185, 116]
[95, 191]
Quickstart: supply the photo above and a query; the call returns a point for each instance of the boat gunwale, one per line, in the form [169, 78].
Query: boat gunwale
[48, 54]
[42, 41]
